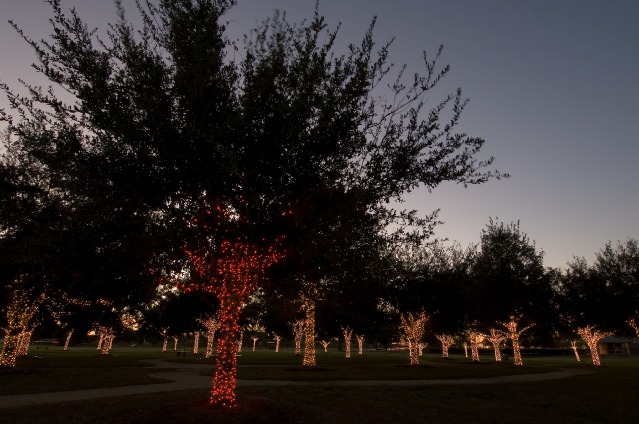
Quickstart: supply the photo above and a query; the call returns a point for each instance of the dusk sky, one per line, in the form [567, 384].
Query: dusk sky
[553, 88]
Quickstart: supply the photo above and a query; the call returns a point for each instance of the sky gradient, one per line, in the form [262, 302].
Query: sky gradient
[553, 88]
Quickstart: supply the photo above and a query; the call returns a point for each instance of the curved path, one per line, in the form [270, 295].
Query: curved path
[186, 376]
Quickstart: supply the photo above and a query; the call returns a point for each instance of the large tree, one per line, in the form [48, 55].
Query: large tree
[292, 144]
[510, 280]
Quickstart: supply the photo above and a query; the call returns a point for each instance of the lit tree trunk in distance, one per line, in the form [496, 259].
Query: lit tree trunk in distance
[420, 348]
[413, 326]
[298, 332]
[175, 342]
[232, 275]
[514, 334]
[347, 340]
[474, 339]
[211, 325]
[165, 343]
[360, 345]
[633, 323]
[25, 341]
[573, 344]
[255, 339]
[277, 342]
[19, 313]
[101, 331]
[309, 340]
[239, 341]
[107, 339]
[495, 338]
[446, 341]
[325, 344]
[66, 342]
[196, 342]
[592, 336]
[466, 349]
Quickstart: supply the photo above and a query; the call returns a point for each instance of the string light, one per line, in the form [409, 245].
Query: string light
[592, 336]
[360, 345]
[414, 326]
[232, 274]
[277, 342]
[474, 337]
[348, 332]
[495, 338]
[66, 342]
[447, 341]
[298, 332]
[514, 334]
[573, 344]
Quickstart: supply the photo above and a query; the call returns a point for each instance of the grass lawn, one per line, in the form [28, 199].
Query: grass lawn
[606, 395]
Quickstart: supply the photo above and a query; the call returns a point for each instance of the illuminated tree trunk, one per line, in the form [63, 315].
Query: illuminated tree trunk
[413, 326]
[175, 342]
[224, 382]
[25, 341]
[466, 349]
[474, 339]
[255, 339]
[420, 348]
[19, 313]
[446, 341]
[66, 342]
[298, 332]
[633, 324]
[211, 326]
[277, 342]
[11, 347]
[196, 342]
[592, 336]
[514, 334]
[360, 345]
[325, 344]
[239, 341]
[309, 339]
[495, 338]
[101, 340]
[232, 275]
[573, 344]
[347, 340]
[106, 338]
[165, 343]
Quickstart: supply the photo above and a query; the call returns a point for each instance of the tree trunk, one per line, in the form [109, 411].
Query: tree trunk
[66, 342]
[11, 347]
[224, 381]
[309, 342]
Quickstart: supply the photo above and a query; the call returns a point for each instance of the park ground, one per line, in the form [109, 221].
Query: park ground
[376, 387]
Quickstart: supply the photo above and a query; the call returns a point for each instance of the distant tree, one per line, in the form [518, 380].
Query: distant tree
[510, 280]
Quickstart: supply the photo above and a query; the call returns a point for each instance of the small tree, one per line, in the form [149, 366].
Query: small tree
[413, 326]
[447, 341]
[591, 336]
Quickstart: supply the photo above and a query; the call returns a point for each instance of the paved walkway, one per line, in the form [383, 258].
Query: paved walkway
[186, 376]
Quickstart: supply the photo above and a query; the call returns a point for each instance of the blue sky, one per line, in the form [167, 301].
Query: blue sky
[553, 89]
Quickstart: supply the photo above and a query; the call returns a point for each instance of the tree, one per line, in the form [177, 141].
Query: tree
[510, 280]
[292, 142]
